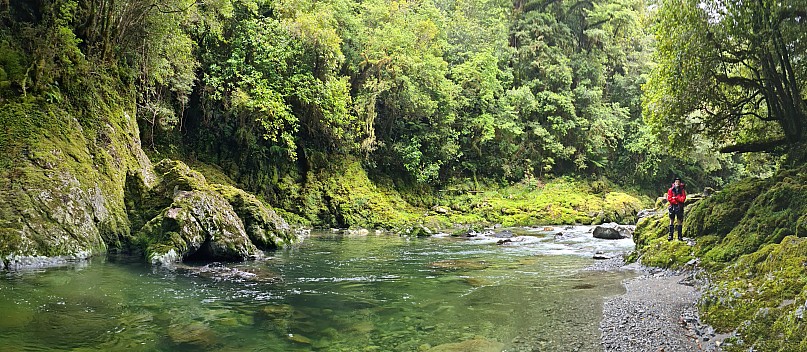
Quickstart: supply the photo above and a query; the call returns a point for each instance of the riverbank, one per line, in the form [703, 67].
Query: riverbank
[657, 313]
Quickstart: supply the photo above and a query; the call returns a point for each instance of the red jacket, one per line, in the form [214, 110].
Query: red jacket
[677, 198]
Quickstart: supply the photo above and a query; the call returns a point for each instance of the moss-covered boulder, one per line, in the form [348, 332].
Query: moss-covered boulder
[199, 225]
[195, 221]
[265, 228]
[62, 176]
[763, 296]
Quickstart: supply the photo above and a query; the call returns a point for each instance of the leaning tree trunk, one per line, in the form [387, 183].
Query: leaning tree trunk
[781, 89]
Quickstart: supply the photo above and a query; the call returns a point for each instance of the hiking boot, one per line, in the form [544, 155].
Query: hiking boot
[679, 229]
[670, 236]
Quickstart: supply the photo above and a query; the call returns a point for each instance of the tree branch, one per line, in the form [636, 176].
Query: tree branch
[752, 147]
[792, 14]
[740, 81]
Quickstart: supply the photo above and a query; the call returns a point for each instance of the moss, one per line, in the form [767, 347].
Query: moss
[342, 195]
[266, 229]
[660, 252]
[64, 180]
[192, 220]
[761, 290]
[560, 201]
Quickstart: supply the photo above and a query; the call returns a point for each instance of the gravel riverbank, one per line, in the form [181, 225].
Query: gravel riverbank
[658, 313]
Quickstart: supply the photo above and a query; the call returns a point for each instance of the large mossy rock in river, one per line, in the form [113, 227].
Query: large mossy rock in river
[62, 181]
[264, 227]
[193, 220]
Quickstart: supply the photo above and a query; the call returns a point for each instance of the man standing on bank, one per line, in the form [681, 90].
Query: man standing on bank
[676, 195]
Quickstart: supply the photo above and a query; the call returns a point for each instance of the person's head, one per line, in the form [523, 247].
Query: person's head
[677, 182]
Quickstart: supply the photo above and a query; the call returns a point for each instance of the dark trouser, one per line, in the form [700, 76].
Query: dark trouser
[676, 211]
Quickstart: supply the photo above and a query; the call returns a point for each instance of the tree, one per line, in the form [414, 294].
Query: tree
[568, 53]
[731, 70]
[402, 88]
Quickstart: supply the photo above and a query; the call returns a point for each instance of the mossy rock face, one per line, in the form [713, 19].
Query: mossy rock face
[195, 221]
[653, 248]
[720, 213]
[199, 225]
[265, 228]
[342, 195]
[63, 181]
[750, 238]
[751, 214]
[764, 296]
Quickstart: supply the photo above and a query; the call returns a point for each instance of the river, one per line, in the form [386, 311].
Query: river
[332, 292]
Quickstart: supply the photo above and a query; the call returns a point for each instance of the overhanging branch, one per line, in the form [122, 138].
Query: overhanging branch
[752, 147]
[739, 81]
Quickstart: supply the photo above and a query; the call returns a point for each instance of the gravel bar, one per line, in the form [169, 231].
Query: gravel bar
[658, 313]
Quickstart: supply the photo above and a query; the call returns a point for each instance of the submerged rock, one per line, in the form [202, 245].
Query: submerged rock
[503, 234]
[221, 272]
[300, 339]
[195, 334]
[475, 345]
[458, 264]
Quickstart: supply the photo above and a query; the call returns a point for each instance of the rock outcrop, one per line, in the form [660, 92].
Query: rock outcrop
[62, 185]
[195, 221]
[72, 189]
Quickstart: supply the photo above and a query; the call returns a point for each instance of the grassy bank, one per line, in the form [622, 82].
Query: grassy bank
[344, 195]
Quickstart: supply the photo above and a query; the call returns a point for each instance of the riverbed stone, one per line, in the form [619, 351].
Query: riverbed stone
[460, 264]
[473, 345]
[608, 232]
[300, 339]
[194, 334]
[15, 316]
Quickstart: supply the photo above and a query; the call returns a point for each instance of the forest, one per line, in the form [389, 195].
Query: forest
[425, 92]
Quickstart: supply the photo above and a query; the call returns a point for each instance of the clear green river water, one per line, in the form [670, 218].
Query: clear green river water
[329, 293]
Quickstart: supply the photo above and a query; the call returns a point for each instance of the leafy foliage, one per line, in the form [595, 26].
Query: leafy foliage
[428, 92]
[729, 70]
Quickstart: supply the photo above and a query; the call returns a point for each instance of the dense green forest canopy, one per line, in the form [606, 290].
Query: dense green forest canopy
[426, 91]
[732, 70]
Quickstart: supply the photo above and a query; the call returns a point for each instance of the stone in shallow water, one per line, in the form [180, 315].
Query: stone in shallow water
[478, 282]
[15, 317]
[457, 264]
[608, 232]
[364, 327]
[221, 272]
[194, 334]
[474, 345]
[300, 339]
